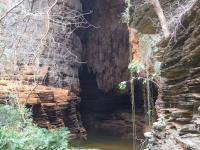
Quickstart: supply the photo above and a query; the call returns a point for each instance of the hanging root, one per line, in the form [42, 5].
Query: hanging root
[175, 12]
[143, 79]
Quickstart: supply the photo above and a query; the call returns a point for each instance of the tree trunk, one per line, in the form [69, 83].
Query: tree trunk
[159, 12]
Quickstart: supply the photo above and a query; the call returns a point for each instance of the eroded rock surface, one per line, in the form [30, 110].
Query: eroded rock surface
[106, 47]
[51, 107]
[54, 50]
[178, 101]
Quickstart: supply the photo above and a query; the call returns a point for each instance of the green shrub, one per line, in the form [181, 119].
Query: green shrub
[17, 132]
[122, 85]
[135, 66]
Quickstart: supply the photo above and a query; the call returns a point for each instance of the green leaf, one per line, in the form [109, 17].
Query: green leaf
[15, 134]
[134, 66]
[122, 85]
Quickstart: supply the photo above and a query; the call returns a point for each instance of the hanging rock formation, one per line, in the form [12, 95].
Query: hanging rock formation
[106, 47]
[106, 51]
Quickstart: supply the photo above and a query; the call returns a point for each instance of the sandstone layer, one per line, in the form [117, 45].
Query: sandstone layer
[51, 107]
[178, 103]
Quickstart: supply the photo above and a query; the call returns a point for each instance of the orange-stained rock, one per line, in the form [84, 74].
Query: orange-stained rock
[134, 43]
[37, 94]
[132, 36]
[49, 104]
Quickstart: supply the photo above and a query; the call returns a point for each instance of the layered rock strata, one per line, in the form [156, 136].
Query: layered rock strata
[178, 103]
[51, 107]
[45, 56]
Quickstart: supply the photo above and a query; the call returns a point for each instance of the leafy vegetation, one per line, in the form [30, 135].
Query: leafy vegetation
[135, 66]
[122, 85]
[18, 132]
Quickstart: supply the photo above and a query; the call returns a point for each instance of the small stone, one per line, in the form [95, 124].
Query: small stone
[199, 109]
[189, 128]
[148, 135]
[197, 121]
[152, 140]
[184, 119]
[180, 113]
[160, 125]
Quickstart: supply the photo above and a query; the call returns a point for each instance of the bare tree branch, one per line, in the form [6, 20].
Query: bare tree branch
[6, 13]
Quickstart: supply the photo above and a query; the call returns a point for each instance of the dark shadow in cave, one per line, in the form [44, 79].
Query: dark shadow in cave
[106, 113]
[109, 113]
[96, 101]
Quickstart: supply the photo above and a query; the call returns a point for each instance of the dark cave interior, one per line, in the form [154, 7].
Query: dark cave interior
[107, 112]
[110, 113]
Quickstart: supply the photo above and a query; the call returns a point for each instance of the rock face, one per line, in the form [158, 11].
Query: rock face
[145, 20]
[48, 64]
[106, 53]
[62, 56]
[178, 101]
[51, 107]
[54, 50]
[106, 47]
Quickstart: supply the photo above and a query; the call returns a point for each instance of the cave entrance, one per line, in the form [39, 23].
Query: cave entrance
[108, 113]
[106, 50]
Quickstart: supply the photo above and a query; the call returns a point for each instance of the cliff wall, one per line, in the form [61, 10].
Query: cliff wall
[106, 47]
[178, 103]
[43, 64]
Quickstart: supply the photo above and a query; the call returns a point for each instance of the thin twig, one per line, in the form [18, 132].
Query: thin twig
[2, 53]
[6, 13]
[31, 92]
[48, 18]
